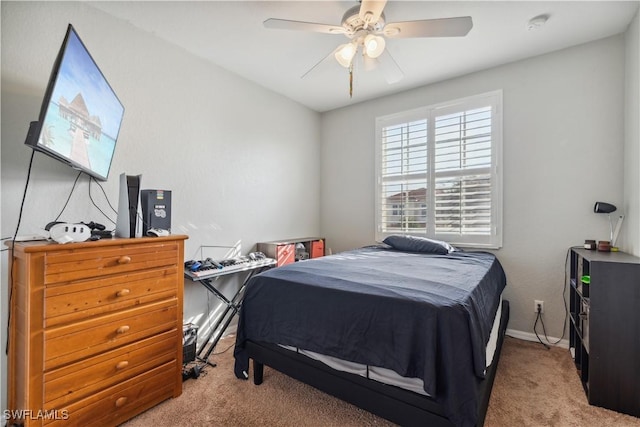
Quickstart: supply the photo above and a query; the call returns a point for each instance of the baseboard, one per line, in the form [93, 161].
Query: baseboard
[529, 336]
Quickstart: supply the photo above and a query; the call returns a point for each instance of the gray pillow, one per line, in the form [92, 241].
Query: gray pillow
[419, 244]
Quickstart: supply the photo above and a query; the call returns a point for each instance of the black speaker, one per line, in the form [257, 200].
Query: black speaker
[156, 210]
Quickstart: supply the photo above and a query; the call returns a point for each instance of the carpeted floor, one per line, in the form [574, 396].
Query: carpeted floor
[533, 387]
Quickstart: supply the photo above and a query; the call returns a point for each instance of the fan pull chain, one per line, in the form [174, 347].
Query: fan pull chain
[351, 80]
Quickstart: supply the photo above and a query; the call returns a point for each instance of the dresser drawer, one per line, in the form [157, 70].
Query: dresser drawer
[89, 376]
[65, 344]
[87, 298]
[112, 406]
[66, 266]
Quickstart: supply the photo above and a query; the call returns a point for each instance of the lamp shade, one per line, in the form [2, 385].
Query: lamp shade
[345, 54]
[374, 45]
[603, 207]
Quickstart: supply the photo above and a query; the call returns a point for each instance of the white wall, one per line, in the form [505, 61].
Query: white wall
[631, 228]
[563, 150]
[239, 159]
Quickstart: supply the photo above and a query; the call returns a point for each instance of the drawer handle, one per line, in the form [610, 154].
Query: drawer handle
[120, 402]
[122, 329]
[124, 260]
[123, 292]
[122, 364]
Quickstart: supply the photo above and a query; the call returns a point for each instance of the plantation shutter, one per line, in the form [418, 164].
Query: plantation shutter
[438, 172]
[404, 171]
[463, 172]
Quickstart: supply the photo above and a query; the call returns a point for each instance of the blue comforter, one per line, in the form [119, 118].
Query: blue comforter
[421, 315]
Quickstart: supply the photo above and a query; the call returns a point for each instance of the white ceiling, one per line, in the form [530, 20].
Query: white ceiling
[230, 34]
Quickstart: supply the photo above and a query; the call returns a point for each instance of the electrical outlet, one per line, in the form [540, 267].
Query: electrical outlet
[537, 303]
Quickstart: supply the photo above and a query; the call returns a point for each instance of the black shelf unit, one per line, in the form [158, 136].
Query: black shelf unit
[604, 331]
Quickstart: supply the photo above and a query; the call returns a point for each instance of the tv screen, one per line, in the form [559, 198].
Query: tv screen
[81, 115]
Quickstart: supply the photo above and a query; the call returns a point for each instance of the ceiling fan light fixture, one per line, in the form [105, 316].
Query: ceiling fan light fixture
[374, 45]
[345, 54]
[366, 28]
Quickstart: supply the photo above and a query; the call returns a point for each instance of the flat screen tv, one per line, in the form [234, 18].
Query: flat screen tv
[81, 115]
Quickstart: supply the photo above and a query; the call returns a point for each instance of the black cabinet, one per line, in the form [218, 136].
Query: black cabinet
[604, 332]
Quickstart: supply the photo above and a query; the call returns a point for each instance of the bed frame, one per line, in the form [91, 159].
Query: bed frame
[397, 405]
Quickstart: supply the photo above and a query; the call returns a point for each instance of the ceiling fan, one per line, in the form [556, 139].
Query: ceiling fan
[365, 27]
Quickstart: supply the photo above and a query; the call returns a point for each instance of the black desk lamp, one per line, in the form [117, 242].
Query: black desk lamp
[603, 207]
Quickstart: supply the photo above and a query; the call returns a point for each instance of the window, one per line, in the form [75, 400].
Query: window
[439, 172]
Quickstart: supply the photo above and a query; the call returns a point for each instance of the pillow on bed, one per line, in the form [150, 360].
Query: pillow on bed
[419, 244]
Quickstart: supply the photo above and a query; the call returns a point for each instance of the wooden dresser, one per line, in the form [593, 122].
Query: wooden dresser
[95, 330]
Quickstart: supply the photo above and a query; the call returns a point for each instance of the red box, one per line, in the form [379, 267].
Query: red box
[317, 249]
[285, 254]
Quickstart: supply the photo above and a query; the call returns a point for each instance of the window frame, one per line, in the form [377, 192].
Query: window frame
[493, 240]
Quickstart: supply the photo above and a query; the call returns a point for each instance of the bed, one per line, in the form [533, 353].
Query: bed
[347, 323]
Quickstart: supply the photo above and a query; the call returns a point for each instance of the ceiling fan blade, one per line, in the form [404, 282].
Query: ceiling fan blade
[389, 66]
[370, 10]
[284, 24]
[445, 27]
[331, 55]
[369, 63]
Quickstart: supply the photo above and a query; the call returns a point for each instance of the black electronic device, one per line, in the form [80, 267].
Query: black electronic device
[94, 226]
[193, 372]
[193, 265]
[156, 210]
[102, 233]
[204, 265]
[133, 185]
[98, 230]
[128, 205]
[80, 116]
[213, 263]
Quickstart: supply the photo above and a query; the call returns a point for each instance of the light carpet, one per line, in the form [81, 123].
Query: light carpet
[533, 387]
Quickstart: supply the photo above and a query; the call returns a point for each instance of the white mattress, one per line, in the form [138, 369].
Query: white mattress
[387, 376]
